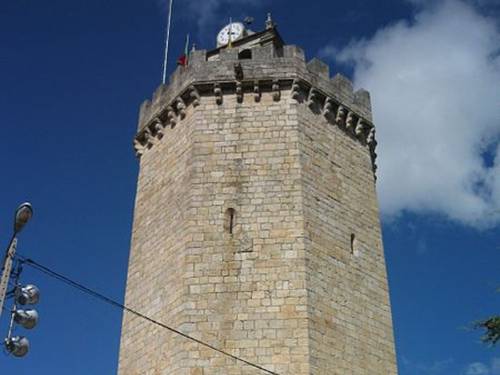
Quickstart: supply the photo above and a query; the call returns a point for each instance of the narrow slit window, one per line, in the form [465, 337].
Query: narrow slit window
[230, 220]
[354, 245]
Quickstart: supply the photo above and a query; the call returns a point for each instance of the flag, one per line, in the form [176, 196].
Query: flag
[183, 59]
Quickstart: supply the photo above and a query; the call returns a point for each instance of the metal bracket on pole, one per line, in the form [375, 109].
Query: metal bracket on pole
[6, 271]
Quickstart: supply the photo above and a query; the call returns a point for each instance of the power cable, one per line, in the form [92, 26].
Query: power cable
[114, 303]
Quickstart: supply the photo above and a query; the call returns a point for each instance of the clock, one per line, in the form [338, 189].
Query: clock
[230, 32]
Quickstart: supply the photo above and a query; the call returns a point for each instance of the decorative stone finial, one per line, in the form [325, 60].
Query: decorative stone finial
[269, 21]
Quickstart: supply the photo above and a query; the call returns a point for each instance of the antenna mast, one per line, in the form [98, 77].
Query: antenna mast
[166, 42]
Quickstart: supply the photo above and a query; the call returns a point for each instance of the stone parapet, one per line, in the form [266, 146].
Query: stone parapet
[263, 69]
[265, 63]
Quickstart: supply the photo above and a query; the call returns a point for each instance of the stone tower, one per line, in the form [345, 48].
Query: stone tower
[256, 225]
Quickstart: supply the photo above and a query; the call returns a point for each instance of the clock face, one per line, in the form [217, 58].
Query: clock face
[231, 32]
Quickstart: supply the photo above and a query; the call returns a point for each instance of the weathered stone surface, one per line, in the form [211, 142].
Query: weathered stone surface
[264, 65]
[256, 226]
[319, 67]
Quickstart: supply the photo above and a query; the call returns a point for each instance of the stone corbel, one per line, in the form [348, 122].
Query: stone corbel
[372, 143]
[276, 90]
[218, 94]
[340, 117]
[296, 90]
[158, 127]
[139, 148]
[360, 128]
[194, 95]
[150, 139]
[256, 91]
[328, 108]
[370, 139]
[349, 122]
[171, 118]
[313, 98]
[239, 92]
[181, 107]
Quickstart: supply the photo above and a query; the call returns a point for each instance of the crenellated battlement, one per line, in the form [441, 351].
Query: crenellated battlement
[242, 71]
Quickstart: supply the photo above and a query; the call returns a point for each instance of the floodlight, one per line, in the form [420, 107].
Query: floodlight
[28, 295]
[27, 318]
[18, 346]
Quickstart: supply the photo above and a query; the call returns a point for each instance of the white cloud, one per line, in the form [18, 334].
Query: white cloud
[495, 366]
[434, 368]
[209, 11]
[477, 368]
[206, 13]
[435, 85]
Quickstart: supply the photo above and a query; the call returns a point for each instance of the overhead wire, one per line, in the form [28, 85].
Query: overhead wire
[49, 272]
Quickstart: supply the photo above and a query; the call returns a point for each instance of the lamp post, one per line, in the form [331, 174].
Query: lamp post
[22, 215]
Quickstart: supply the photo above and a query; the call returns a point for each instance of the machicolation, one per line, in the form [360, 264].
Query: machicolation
[282, 72]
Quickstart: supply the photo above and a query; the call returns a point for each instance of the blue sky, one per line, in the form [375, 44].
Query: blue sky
[72, 77]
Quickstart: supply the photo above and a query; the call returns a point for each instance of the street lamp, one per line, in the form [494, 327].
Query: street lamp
[18, 346]
[22, 215]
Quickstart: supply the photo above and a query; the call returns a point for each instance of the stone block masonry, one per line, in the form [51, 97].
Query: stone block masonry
[256, 223]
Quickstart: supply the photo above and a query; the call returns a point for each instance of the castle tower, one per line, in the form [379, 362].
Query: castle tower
[256, 225]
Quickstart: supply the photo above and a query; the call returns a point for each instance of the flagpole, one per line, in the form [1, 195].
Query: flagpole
[166, 42]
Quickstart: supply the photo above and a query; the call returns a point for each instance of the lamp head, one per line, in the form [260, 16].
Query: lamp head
[26, 318]
[18, 346]
[28, 295]
[23, 214]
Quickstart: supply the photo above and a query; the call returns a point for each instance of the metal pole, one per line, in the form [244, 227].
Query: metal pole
[6, 271]
[166, 42]
[11, 324]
